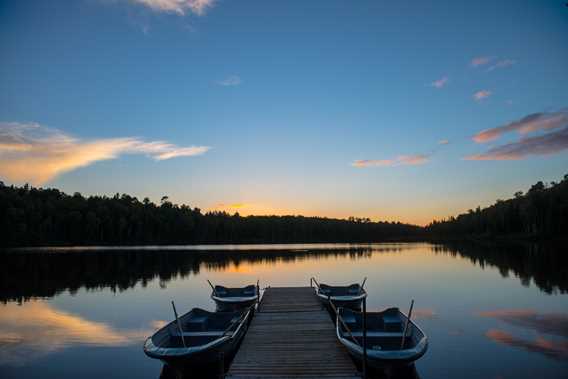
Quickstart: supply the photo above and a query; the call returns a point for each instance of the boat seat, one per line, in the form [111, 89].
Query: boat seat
[213, 333]
[378, 334]
[349, 319]
[197, 323]
[392, 323]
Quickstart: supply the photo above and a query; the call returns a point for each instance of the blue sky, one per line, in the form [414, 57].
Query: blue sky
[332, 108]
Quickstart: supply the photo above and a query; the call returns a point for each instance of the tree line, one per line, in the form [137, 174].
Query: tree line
[45, 217]
[541, 212]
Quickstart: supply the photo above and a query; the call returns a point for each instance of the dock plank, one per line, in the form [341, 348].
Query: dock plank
[291, 336]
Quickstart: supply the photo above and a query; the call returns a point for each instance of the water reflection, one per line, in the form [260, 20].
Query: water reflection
[66, 312]
[47, 272]
[549, 348]
[545, 265]
[549, 323]
[37, 328]
[553, 324]
[24, 275]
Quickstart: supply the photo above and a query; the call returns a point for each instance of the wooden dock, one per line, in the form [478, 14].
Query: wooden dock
[291, 336]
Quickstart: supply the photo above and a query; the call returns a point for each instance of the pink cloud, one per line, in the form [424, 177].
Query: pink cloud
[549, 348]
[550, 323]
[547, 144]
[502, 64]
[480, 61]
[528, 124]
[440, 83]
[180, 7]
[480, 95]
[401, 160]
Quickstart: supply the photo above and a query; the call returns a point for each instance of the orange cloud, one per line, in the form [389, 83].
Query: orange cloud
[480, 95]
[232, 206]
[36, 154]
[401, 160]
[528, 124]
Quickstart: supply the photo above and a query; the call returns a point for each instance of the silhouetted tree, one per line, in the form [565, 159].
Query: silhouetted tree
[35, 216]
[541, 212]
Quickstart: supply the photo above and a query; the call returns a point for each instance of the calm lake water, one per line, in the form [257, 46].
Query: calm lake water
[489, 313]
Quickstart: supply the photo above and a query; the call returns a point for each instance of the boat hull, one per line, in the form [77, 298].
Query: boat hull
[209, 357]
[224, 305]
[382, 363]
[182, 358]
[384, 338]
[354, 303]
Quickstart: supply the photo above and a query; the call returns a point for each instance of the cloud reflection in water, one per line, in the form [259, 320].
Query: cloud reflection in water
[37, 328]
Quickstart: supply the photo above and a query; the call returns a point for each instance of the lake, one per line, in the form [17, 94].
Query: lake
[488, 312]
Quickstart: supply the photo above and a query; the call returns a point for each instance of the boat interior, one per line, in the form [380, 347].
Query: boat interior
[353, 289]
[384, 329]
[199, 328]
[235, 292]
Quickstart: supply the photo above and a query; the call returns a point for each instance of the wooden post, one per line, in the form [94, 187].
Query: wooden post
[406, 325]
[258, 294]
[364, 337]
[178, 324]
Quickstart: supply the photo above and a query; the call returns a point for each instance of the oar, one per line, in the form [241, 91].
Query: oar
[363, 284]
[406, 325]
[212, 287]
[236, 321]
[178, 324]
[343, 323]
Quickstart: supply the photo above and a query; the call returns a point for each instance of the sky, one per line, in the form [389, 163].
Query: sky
[393, 110]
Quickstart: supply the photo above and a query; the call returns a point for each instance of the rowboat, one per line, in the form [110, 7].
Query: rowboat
[349, 296]
[384, 337]
[234, 298]
[199, 338]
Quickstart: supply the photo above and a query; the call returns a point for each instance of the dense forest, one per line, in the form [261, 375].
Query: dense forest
[541, 212]
[42, 217]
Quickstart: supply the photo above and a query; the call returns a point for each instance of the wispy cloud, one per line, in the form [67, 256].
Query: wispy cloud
[546, 144]
[440, 83]
[480, 61]
[233, 80]
[531, 123]
[480, 95]
[37, 154]
[443, 142]
[401, 160]
[181, 7]
[502, 64]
